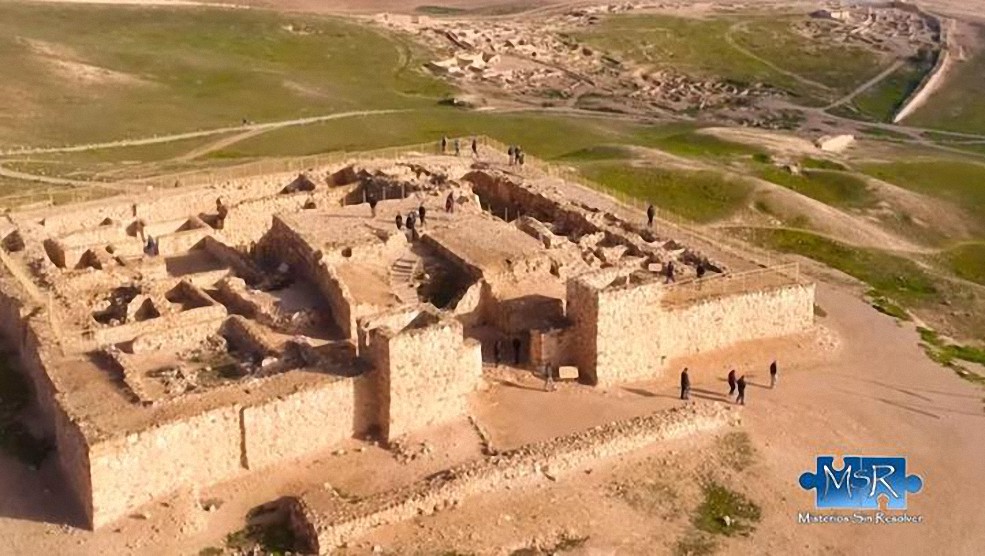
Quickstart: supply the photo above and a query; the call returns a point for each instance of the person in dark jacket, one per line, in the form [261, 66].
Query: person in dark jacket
[701, 270]
[421, 212]
[741, 398]
[650, 213]
[516, 351]
[773, 372]
[371, 199]
[731, 382]
[669, 272]
[399, 219]
[685, 385]
[450, 203]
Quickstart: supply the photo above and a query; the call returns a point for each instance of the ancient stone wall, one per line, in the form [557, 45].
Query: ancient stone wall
[282, 243]
[212, 315]
[636, 333]
[292, 426]
[325, 528]
[431, 373]
[133, 469]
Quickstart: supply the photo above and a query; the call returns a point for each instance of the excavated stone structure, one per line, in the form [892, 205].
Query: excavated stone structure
[301, 319]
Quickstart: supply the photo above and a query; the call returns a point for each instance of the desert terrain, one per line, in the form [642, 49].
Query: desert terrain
[842, 140]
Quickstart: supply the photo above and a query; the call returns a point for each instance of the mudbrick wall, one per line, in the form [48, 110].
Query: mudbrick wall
[326, 528]
[635, 334]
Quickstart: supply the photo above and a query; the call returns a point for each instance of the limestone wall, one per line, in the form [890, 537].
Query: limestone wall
[431, 373]
[323, 523]
[131, 470]
[212, 315]
[298, 424]
[283, 244]
[232, 258]
[30, 339]
[636, 334]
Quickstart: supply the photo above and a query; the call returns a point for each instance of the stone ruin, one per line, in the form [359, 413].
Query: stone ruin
[300, 320]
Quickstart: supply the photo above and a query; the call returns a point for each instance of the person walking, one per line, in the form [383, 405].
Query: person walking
[669, 272]
[731, 383]
[444, 144]
[371, 199]
[475, 148]
[650, 213]
[773, 373]
[685, 385]
[512, 152]
[411, 226]
[450, 203]
[516, 351]
[399, 219]
[458, 147]
[741, 398]
[421, 212]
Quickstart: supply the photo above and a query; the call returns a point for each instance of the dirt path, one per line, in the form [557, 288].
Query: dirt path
[748, 53]
[867, 85]
[266, 126]
[219, 145]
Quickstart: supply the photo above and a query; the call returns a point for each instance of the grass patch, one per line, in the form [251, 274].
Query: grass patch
[882, 101]
[948, 355]
[885, 306]
[957, 182]
[822, 164]
[882, 133]
[593, 154]
[833, 188]
[720, 502]
[701, 196]
[890, 276]
[703, 145]
[651, 497]
[967, 261]
[958, 105]
[158, 70]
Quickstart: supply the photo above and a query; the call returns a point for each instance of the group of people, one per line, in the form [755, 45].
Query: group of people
[457, 146]
[516, 155]
[737, 386]
[412, 220]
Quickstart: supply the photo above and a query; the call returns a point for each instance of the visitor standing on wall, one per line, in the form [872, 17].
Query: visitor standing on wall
[741, 398]
[221, 212]
[685, 385]
[773, 373]
[731, 383]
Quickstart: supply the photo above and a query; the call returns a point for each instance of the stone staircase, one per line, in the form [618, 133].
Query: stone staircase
[402, 273]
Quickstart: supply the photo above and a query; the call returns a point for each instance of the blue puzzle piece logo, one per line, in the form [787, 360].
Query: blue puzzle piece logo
[861, 482]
